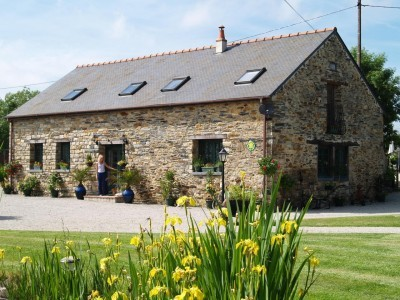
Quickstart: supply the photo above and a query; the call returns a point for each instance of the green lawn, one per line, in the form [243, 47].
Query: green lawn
[372, 221]
[353, 266]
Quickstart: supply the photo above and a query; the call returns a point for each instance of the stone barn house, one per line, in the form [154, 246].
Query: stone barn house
[162, 111]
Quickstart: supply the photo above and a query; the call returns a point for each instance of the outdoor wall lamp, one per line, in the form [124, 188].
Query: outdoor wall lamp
[222, 157]
[95, 139]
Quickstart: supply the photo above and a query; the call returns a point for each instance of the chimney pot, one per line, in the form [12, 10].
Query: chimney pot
[221, 41]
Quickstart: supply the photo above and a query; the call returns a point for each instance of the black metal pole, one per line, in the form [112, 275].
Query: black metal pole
[223, 182]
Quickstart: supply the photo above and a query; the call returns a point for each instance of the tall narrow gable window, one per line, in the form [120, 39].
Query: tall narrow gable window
[335, 117]
[132, 88]
[74, 94]
[175, 84]
[250, 76]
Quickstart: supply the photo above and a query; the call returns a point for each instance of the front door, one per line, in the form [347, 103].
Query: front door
[113, 154]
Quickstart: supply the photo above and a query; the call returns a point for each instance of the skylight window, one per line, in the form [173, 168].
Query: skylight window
[74, 94]
[175, 84]
[132, 88]
[250, 76]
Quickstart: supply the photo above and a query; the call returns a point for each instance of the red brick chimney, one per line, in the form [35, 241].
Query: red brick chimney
[221, 41]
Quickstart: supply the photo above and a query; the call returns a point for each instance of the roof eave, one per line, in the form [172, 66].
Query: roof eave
[252, 98]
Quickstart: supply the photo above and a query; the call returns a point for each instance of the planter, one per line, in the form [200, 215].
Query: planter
[54, 193]
[80, 192]
[128, 195]
[37, 168]
[197, 168]
[170, 201]
[210, 204]
[206, 169]
[7, 190]
[27, 192]
[238, 205]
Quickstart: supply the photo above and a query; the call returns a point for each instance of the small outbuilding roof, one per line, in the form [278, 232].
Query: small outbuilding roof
[210, 76]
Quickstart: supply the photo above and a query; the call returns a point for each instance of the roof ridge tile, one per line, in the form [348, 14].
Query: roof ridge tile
[235, 43]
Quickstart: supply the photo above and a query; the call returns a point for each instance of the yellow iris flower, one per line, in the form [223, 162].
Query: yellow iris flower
[26, 259]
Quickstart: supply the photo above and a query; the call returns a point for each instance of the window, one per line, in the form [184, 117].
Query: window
[132, 88]
[74, 94]
[206, 151]
[332, 66]
[63, 155]
[333, 162]
[335, 119]
[36, 156]
[250, 76]
[175, 84]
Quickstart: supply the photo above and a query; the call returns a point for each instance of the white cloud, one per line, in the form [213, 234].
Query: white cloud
[118, 28]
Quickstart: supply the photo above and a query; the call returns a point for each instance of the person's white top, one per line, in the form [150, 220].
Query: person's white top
[101, 168]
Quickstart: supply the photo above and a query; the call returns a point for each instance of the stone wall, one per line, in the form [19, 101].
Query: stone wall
[158, 139]
[162, 138]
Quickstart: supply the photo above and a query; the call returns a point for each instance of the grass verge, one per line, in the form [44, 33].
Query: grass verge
[370, 221]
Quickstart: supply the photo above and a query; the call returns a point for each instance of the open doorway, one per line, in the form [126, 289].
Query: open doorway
[113, 154]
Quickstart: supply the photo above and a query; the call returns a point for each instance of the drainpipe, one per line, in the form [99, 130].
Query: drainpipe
[11, 145]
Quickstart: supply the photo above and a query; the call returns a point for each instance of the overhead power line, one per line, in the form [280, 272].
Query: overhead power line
[308, 23]
[294, 24]
[381, 6]
[26, 85]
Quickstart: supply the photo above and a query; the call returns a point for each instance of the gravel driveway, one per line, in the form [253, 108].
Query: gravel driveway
[57, 214]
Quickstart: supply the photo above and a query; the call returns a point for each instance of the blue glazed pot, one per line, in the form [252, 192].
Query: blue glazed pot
[80, 192]
[128, 195]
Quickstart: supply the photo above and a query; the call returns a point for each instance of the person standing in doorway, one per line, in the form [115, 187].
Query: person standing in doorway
[101, 175]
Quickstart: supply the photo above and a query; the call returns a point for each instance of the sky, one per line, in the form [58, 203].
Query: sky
[43, 40]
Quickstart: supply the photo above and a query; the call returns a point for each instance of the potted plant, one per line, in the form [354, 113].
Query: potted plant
[37, 165]
[210, 189]
[28, 185]
[89, 160]
[239, 195]
[7, 187]
[197, 163]
[268, 166]
[80, 176]
[207, 167]
[126, 179]
[63, 165]
[54, 184]
[122, 163]
[5, 184]
[12, 168]
[167, 184]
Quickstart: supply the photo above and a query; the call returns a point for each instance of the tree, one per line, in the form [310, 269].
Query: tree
[386, 87]
[11, 102]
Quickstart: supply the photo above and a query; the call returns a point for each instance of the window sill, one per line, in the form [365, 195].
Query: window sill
[62, 170]
[35, 170]
[205, 173]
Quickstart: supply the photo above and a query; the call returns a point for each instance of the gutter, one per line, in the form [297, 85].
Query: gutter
[253, 98]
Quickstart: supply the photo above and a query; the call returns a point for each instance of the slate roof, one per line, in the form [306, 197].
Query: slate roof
[212, 76]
